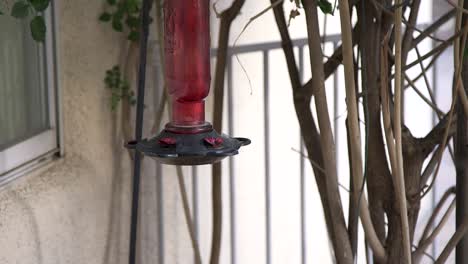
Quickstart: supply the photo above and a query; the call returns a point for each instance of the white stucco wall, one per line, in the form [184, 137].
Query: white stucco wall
[76, 209]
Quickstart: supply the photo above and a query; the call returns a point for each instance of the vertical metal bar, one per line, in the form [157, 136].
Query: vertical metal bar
[232, 186]
[157, 96]
[195, 204]
[160, 206]
[266, 112]
[145, 9]
[58, 92]
[302, 174]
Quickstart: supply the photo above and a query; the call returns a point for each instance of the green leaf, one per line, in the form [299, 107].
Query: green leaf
[119, 13]
[117, 25]
[111, 2]
[134, 36]
[105, 17]
[133, 22]
[325, 6]
[38, 28]
[39, 5]
[20, 9]
[132, 6]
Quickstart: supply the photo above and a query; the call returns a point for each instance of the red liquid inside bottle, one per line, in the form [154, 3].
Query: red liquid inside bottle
[187, 61]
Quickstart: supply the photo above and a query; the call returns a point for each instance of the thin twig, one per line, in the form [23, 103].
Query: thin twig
[425, 242]
[343, 252]
[436, 50]
[227, 17]
[314, 163]
[431, 95]
[187, 214]
[461, 231]
[428, 67]
[252, 19]
[421, 32]
[458, 71]
[436, 211]
[430, 167]
[456, 6]
[302, 96]
[433, 27]
[459, 53]
[423, 97]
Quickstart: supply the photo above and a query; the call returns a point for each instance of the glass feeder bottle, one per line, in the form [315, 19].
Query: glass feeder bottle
[187, 63]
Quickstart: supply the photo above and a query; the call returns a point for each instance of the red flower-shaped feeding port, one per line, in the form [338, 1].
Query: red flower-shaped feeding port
[214, 142]
[167, 141]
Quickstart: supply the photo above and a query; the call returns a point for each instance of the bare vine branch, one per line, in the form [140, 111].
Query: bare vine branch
[398, 175]
[461, 231]
[343, 252]
[427, 240]
[227, 17]
[354, 133]
[187, 214]
[309, 132]
[457, 84]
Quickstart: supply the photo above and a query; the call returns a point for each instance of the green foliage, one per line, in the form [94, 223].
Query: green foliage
[40, 5]
[325, 6]
[105, 17]
[117, 24]
[38, 28]
[23, 9]
[119, 87]
[134, 36]
[20, 9]
[123, 16]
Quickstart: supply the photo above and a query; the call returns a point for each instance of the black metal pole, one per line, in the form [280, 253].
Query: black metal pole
[139, 128]
[461, 161]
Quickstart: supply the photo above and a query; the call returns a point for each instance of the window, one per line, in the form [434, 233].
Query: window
[28, 113]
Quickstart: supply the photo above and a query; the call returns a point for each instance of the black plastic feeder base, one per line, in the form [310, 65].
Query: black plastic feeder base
[189, 149]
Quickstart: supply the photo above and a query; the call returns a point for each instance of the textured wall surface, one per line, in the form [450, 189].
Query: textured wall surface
[76, 209]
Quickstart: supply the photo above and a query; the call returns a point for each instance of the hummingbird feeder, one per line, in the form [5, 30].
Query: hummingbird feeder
[188, 139]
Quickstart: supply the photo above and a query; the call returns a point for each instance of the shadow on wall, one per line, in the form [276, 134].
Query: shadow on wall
[113, 247]
[30, 218]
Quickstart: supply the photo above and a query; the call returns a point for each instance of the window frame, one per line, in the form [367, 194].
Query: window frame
[40, 149]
